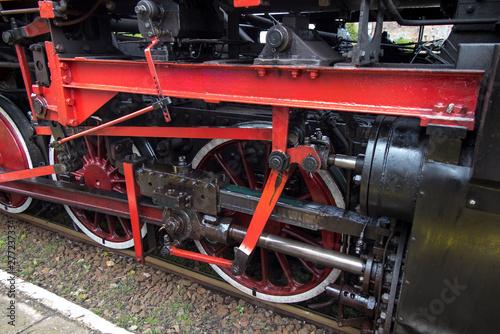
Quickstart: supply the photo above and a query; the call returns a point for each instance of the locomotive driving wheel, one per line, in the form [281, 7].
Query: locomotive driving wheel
[271, 275]
[16, 152]
[98, 172]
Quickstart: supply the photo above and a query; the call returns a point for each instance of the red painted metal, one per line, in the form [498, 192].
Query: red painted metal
[272, 191]
[46, 9]
[404, 92]
[134, 211]
[246, 3]
[281, 116]
[26, 173]
[274, 185]
[43, 131]
[12, 157]
[201, 257]
[154, 75]
[36, 28]
[106, 125]
[113, 204]
[299, 153]
[25, 71]
[69, 107]
[178, 132]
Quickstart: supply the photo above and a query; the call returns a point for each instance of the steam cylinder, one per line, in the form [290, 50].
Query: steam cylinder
[392, 167]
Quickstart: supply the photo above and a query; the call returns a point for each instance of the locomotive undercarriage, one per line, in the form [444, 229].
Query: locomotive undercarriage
[309, 165]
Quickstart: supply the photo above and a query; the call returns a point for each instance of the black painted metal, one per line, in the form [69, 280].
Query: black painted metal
[451, 273]
[392, 168]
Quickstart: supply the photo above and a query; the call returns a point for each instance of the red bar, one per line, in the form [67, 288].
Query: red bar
[26, 173]
[106, 125]
[90, 199]
[246, 3]
[200, 257]
[281, 115]
[134, 212]
[25, 71]
[274, 184]
[43, 131]
[178, 132]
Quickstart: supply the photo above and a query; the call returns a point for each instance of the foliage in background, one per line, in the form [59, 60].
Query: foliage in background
[352, 28]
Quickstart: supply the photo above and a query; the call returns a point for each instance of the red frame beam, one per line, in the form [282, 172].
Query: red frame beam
[178, 132]
[404, 92]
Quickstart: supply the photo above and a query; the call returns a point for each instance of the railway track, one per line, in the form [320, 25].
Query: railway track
[288, 310]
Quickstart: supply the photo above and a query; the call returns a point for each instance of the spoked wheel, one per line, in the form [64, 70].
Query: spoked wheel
[271, 275]
[16, 152]
[98, 172]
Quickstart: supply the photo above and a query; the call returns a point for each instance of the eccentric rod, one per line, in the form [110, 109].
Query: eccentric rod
[304, 251]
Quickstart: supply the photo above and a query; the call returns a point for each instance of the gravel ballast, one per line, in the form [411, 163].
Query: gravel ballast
[138, 298]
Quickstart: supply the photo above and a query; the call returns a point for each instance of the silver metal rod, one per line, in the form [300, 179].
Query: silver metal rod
[304, 251]
[344, 161]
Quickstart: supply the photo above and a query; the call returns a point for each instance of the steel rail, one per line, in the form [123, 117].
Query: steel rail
[289, 310]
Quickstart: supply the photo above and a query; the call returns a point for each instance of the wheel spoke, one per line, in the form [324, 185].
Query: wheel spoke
[97, 221]
[125, 224]
[91, 148]
[228, 170]
[111, 221]
[247, 166]
[264, 258]
[300, 235]
[285, 266]
[311, 268]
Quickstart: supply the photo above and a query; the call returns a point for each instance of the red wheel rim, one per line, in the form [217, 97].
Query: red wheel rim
[13, 156]
[291, 281]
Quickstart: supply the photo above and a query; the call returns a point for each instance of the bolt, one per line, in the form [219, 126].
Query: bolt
[472, 202]
[110, 5]
[70, 101]
[357, 179]
[59, 48]
[147, 24]
[310, 164]
[470, 9]
[33, 95]
[385, 298]
[449, 109]
[439, 107]
[262, 72]
[7, 37]
[383, 315]
[295, 73]
[140, 9]
[72, 122]
[64, 66]
[313, 74]
[66, 79]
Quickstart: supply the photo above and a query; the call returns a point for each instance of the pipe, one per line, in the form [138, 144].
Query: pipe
[394, 12]
[304, 251]
[19, 11]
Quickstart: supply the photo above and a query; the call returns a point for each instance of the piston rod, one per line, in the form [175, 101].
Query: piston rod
[304, 251]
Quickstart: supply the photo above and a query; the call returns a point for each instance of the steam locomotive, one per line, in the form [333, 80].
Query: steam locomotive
[306, 154]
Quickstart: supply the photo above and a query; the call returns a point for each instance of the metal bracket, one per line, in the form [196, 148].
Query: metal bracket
[156, 80]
